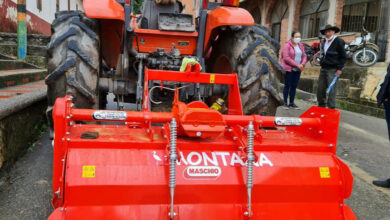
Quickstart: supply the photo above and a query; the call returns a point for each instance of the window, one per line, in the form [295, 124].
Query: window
[313, 17]
[57, 5]
[39, 5]
[279, 13]
[357, 13]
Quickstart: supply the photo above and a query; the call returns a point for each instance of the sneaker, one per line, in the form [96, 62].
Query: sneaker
[285, 106]
[294, 106]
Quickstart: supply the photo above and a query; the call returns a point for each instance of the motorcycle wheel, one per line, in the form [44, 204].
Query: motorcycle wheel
[365, 60]
[316, 59]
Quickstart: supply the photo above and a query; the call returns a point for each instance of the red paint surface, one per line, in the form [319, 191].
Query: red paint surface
[130, 178]
[29, 87]
[5, 96]
[10, 83]
[15, 91]
[40, 83]
[35, 25]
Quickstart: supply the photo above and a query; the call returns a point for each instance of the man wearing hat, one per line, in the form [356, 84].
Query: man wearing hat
[331, 63]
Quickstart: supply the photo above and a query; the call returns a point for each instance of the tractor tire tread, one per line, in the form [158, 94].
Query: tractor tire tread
[253, 54]
[73, 60]
[60, 71]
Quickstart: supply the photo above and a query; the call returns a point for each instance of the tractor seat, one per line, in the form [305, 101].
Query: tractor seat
[170, 16]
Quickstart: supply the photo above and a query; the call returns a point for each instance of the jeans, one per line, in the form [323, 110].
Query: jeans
[326, 77]
[387, 112]
[290, 85]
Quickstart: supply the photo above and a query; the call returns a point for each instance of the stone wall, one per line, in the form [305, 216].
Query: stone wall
[19, 130]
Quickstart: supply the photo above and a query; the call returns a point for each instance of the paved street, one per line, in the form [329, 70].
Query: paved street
[363, 145]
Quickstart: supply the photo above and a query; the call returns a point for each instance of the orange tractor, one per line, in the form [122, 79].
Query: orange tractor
[201, 141]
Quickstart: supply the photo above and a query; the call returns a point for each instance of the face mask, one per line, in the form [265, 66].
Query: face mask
[328, 39]
[297, 40]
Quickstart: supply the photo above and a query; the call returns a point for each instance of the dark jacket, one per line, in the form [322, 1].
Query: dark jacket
[384, 92]
[336, 56]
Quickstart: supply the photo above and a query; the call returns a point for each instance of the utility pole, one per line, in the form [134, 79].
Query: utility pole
[22, 29]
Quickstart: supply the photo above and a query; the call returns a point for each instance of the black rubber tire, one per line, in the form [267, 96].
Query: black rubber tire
[73, 60]
[253, 55]
[373, 53]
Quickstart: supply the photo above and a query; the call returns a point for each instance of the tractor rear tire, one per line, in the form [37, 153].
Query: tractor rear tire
[253, 55]
[73, 60]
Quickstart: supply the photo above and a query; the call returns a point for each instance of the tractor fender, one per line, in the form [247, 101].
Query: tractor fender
[226, 16]
[112, 18]
[104, 9]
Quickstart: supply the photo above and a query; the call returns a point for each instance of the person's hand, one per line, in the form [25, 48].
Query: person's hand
[300, 67]
[338, 72]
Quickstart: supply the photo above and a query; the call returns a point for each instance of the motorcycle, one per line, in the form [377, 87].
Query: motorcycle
[313, 53]
[362, 51]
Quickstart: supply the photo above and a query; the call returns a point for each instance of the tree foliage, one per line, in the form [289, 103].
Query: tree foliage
[137, 6]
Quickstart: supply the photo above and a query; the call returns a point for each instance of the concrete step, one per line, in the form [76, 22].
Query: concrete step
[5, 57]
[365, 107]
[354, 93]
[37, 61]
[22, 113]
[33, 50]
[361, 107]
[310, 84]
[32, 39]
[15, 64]
[13, 91]
[20, 76]
[354, 73]
[311, 71]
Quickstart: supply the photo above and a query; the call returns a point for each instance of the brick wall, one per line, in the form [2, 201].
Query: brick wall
[338, 13]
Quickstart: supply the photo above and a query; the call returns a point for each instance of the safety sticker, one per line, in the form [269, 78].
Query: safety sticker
[212, 78]
[88, 171]
[324, 172]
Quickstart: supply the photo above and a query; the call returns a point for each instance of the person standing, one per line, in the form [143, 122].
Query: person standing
[293, 61]
[384, 97]
[332, 63]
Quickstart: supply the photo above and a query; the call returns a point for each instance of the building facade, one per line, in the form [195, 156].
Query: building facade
[39, 15]
[309, 16]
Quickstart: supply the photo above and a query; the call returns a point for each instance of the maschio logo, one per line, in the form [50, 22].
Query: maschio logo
[207, 165]
[202, 172]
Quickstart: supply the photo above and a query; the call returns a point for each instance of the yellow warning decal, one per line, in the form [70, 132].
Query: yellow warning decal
[88, 171]
[212, 78]
[324, 172]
